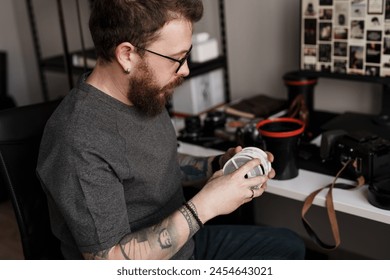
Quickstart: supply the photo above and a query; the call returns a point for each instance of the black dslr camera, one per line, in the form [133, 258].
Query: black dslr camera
[370, 152]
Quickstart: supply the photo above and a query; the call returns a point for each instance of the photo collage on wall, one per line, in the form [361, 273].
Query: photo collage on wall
[346, 36]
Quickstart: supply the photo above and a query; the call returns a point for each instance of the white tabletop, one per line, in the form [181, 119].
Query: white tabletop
[196, 150]
[352, 201]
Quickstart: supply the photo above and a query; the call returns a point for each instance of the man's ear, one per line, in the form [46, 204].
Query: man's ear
[126, 56]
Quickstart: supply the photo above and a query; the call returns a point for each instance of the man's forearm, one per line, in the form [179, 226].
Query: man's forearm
[160, 241]
[195, 170]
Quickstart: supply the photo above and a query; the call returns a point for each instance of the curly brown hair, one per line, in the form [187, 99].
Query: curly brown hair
[113, 22]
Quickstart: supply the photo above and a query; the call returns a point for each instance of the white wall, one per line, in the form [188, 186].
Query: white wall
[263, 44]
[263, 41]
[16, 40]
[11, 42]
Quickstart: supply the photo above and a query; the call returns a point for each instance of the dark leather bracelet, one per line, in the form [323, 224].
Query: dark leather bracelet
[215, 166]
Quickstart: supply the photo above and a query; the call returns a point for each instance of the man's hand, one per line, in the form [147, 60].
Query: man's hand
[228, 155]
[232, 151]
[225, 193]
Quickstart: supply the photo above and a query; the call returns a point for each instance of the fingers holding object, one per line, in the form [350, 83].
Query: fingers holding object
[255, 192]
[249, 170]
[270, 156]
[247, 167]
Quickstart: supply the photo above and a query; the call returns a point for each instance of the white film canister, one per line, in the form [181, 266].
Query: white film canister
[243, 157]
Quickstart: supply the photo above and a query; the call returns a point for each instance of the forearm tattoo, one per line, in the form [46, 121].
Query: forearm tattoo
[192, 223]
[143, 243]
[194, 168]
[138, 245]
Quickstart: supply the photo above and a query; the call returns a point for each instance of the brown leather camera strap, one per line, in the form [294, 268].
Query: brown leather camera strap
[330, 209]
[298, 109]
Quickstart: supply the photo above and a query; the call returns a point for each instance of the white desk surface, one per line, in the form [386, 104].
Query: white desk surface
[353, 201]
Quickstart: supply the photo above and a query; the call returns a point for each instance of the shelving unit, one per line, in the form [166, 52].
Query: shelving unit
[62, 63]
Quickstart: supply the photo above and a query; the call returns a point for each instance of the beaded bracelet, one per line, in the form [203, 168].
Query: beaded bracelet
[194, 214]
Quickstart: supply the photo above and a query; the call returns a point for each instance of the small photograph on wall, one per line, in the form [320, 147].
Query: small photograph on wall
[310, 67]
[386, 61]
[375, 22]
[341, 13]
[356, 56]
[310, 52]
[326, 68]
[373, 53]
[375, 7]
[358, 8]
[340, 66]
[326, 14]
[357, 29]
[326, 2]
[325, 33]
[310, 8]
[310, 55]
[340, 49]
[387, 9]
[386, 45]
[324, 53]
[310, 31]
[385, 73]
[374, 35]
[387, 29]
[372, 70]
[340, 33]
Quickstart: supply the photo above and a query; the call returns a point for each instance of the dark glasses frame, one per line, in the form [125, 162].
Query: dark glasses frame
[180, 61]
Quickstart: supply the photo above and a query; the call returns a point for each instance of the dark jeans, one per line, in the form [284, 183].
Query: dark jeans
[242, 242]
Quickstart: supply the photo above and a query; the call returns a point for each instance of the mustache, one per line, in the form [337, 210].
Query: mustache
[179, 81]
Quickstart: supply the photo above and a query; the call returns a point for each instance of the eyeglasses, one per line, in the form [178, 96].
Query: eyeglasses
[180, 61]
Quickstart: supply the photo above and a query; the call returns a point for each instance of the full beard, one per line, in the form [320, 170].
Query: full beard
[146, 95]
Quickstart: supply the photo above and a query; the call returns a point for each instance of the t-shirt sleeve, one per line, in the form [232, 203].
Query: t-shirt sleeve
[82, 178]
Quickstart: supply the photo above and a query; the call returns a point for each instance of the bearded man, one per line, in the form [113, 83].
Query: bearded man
[108, 160]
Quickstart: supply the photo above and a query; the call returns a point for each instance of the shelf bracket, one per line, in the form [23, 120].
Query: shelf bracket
[67, 58]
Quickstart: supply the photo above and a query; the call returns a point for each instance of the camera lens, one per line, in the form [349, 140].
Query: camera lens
[192, 124]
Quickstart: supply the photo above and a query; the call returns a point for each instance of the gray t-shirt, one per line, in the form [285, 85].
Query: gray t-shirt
[107, 171]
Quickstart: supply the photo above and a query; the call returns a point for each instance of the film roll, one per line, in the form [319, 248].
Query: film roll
[243, 157]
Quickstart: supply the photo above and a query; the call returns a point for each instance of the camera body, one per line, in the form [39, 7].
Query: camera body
[198, 131]
[370, 152]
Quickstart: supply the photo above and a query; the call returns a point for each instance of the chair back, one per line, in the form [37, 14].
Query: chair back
[21, 130]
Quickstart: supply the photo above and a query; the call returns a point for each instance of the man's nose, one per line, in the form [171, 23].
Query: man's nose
[184, 70]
